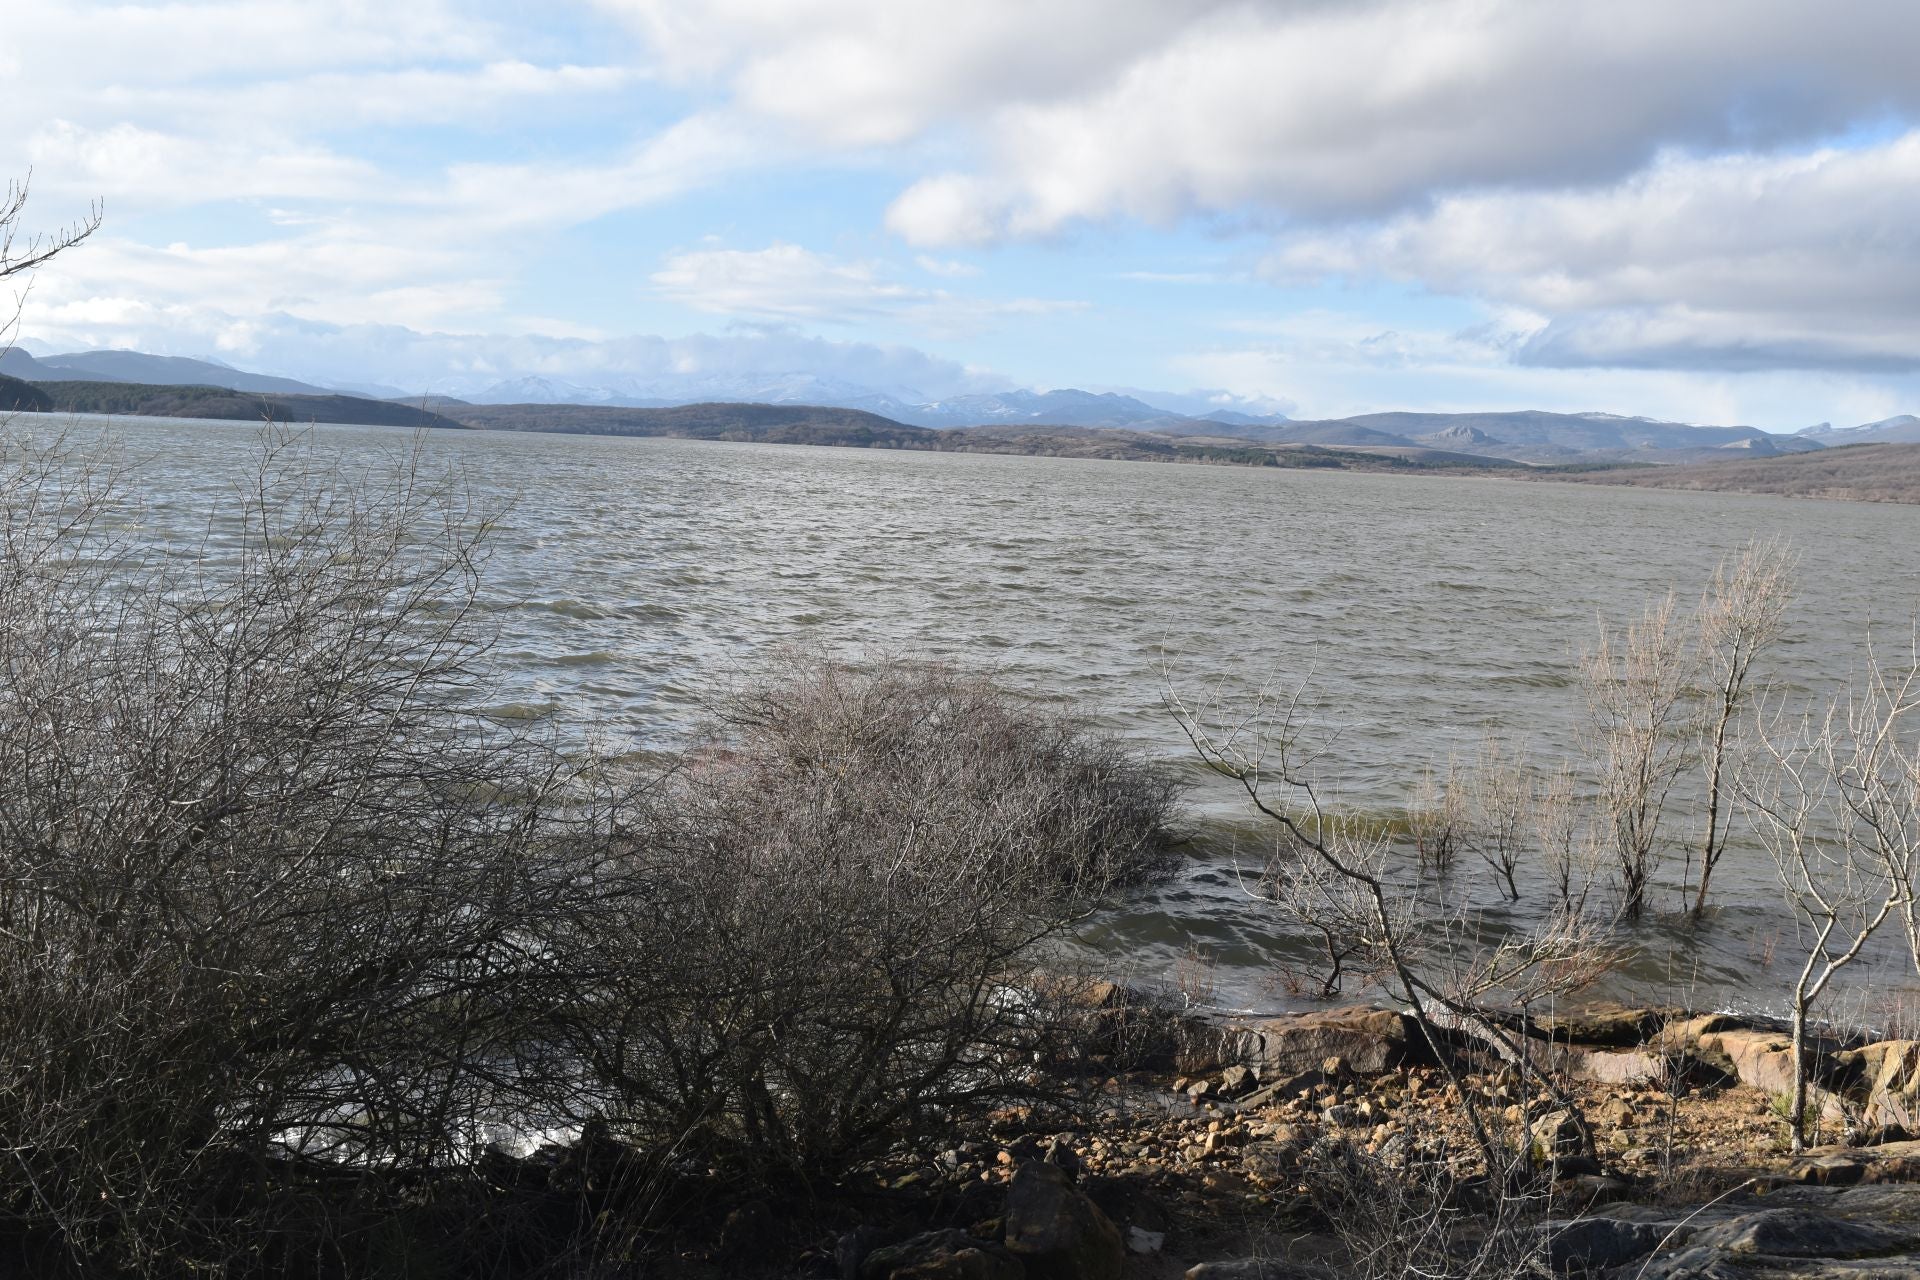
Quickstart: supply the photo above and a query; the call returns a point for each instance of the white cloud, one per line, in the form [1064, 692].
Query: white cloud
[127, 164]
[864, 72]
[1299, 108]
[152, 107]
[783, 281]
[949, 268]
[1336, 364]
[331, 273]
[789, 283]
[1732, 262]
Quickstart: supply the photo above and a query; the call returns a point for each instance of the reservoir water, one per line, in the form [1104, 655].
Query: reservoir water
[1413, 613]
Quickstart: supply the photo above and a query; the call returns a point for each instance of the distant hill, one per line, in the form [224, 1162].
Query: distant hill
[801, 406]
[1903, 429]
[817, 425]
[1064, 408]
[22, 397]
[139, 367]
[1854, 473]
[1525, 436]
[159, 401]
[772, 423]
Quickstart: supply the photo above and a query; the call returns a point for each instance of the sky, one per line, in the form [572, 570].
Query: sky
[1705, 211]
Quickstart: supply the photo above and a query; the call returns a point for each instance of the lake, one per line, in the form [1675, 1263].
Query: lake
[1414, 612]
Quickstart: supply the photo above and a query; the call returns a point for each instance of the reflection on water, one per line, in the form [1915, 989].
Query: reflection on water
[1416, 610]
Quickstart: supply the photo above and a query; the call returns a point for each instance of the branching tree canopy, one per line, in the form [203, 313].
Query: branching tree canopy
[22, 250]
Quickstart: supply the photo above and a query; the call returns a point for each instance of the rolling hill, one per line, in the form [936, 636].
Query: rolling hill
[1853, 473]
[139, 367]
[168, 401]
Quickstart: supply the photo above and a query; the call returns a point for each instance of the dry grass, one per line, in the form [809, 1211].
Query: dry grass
[1852, 473]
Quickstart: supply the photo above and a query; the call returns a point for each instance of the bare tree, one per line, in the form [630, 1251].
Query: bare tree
[1569, 846]
[1835, 799]
[21, 251]
[1741, 616]
[1499, 805]
[1435, 956]
[1636, 685]
[1437, 818]
[1879, 787]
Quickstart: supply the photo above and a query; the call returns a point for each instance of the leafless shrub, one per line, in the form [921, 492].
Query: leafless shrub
[1837, 799]
[832, 907]
[1409, 1211]
[1741, 616]
[1569, 845]
[1434, 953]
[1636, 685]
[1437, 818]
[1498, 802]
[266, 881]
[21, 251]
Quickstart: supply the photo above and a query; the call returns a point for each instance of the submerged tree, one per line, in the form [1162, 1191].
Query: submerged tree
[1433, 953]
[1741, 616]
[1636, 685]
[1499, 804]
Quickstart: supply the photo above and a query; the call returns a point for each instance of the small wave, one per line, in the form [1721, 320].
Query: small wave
[598, 658]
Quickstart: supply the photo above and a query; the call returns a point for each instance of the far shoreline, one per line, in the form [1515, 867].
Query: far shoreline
[1880, 474]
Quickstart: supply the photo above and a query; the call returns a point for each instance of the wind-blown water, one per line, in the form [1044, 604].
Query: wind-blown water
[1416, 611]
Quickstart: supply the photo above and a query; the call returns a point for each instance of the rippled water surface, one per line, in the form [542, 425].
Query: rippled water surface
[1415, 611]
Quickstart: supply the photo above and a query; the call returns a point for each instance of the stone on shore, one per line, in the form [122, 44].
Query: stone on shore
[941, 1255]
[1056, 1231]
[1369, 1041]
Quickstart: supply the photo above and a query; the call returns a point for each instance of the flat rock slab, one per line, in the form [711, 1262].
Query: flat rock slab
[1804, 1233]
[1607, 1025]
[1712, 1264]
[1890, 1162]
[1808, 1232]
[1369, 1041]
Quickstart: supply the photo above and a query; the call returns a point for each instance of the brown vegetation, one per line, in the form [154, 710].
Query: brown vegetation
[290, 931]
[1851, 473]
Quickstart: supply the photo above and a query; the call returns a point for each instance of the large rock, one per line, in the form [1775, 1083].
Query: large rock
[1761, 1059]
[1622, 1066]
[1806, 1233]
[1056, 1231]
[941, 1255]
[1684, 1035]
[1801, 1233]
[1892, 1070]
[1370, 1041]
[1840, 1166]
[1609, 1025]
[1557, 1134]
[1591, 1245]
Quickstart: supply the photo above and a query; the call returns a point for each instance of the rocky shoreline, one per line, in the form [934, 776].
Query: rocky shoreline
[1213, 1163]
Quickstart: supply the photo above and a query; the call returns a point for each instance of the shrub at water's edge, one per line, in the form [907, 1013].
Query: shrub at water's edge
[288, 932]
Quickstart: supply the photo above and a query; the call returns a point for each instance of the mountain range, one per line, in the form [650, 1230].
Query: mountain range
[1902, 429]
[1531, 436]
[138, 366]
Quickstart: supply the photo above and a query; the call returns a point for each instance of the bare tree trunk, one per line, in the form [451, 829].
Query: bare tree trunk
[1711, 848]
[1797, 1113]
